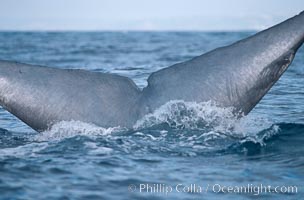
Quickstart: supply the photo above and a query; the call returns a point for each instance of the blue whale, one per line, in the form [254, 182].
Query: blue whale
[237, 76]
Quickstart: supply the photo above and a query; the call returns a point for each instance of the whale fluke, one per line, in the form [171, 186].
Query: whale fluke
[238, 76]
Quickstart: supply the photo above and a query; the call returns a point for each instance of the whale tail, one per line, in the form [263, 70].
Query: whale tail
[238, 76]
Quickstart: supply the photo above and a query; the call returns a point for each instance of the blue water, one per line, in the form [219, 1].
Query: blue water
[182, 143]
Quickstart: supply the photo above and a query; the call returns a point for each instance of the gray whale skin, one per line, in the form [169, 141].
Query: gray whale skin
[238, 76]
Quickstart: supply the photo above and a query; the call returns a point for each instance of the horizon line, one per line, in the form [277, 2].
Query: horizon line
[130, 30]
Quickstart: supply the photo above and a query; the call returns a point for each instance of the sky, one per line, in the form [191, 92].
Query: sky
[148, 15]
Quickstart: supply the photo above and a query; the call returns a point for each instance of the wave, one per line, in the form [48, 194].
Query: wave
[206, 118]
[279, 138]
[178, 128]
[179, 124]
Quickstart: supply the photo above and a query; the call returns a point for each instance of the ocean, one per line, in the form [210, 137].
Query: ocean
[185, 150]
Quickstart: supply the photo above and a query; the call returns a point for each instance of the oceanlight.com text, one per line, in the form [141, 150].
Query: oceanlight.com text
[253, 189]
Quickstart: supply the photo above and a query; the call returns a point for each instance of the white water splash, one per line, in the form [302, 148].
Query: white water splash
[205, 116]
[211, 120]
[193, 128]
[67, 129]
[181, 114]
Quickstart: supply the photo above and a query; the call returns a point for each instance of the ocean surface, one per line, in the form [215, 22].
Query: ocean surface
[183, 151]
